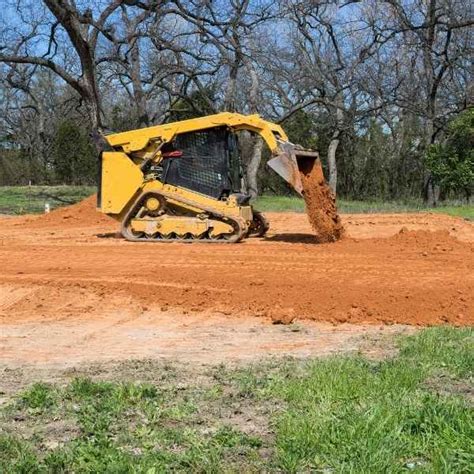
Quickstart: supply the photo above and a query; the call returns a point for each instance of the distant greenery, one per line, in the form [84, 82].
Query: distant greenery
[413, 412]
[74, 158]
[466, 212]
[295, 204]
[452, 162]
[31, 199]
[64, 154]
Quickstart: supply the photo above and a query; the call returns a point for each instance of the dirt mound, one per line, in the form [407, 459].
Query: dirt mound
[83, 213]
[320, 203]
[426, 240]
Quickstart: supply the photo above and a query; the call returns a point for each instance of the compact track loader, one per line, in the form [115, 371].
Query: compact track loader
[183, 181]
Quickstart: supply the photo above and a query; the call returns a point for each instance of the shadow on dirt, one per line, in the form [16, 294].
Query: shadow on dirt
[294, 238]
[109, 235]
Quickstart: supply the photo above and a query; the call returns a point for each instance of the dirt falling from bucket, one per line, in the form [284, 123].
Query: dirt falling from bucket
[320, 202]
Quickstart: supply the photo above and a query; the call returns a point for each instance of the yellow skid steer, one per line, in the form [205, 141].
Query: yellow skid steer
[183, 181]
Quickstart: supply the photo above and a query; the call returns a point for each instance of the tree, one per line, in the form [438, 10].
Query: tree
[82, 31]
[322, 70]
[452, 162]
[73, 156]
[432, 38]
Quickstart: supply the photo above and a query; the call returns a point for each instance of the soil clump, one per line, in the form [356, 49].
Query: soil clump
[320, 203]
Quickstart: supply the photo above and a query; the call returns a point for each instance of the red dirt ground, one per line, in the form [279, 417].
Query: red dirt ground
[413, 270]
[68, 270]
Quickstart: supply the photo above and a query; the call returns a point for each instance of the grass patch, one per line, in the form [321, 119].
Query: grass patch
[32, 199]
[39, 396]
[466, 212]
[296, 204]
[279, 204]
[349, 415]
[337, 414]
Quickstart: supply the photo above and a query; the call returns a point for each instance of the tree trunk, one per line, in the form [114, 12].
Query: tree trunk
[140, 100]
[431, 190]
[332, 166]
[333, 145]
[69, 18]
[141, 107]
[253, 166]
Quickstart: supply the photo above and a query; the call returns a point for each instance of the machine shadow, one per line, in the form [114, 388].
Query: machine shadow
[109, 235]
[293, 238]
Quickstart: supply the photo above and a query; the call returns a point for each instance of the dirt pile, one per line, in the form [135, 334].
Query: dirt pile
[83, 214]
[320, 203]
[425, 237]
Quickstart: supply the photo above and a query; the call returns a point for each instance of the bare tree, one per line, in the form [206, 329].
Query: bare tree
[82, 31]
[324, 66]
[232, 35]
[433, 46]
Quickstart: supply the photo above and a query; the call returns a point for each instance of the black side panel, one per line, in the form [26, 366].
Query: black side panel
[204, 165]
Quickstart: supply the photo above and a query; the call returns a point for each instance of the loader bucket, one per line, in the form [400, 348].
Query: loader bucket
[290, 161]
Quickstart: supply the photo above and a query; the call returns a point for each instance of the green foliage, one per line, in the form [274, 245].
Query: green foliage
[452, 162]
[122, 118]
[296, 204]
[31, 199]
[376, 163]
[465, 211]
[373, 162]
[301, 128]
[74, 157]
[127, 427]
[279, 203]
[351, 415]
[17, 457]
[444, 348]
[16, 168]
[337, 414]
[197, 104]
[373, 178]
[39, 396]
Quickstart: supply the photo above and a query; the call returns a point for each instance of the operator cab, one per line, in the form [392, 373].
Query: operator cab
[206, 161]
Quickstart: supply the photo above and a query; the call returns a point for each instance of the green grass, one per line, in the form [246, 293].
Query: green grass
[32, 199]
[349, 415]
[411, 413]
[296, 204]
[466, 212]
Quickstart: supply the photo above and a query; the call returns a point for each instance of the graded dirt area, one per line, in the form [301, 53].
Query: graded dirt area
[72, 291]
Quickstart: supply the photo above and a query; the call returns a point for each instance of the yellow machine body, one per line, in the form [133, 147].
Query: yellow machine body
[151, 210]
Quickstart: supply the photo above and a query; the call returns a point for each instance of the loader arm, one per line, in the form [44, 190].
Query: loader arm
[148, 139]
[288, 159]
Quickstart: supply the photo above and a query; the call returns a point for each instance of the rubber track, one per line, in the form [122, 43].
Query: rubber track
[238, 224]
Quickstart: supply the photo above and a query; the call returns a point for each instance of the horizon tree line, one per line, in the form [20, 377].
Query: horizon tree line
[374, 85]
